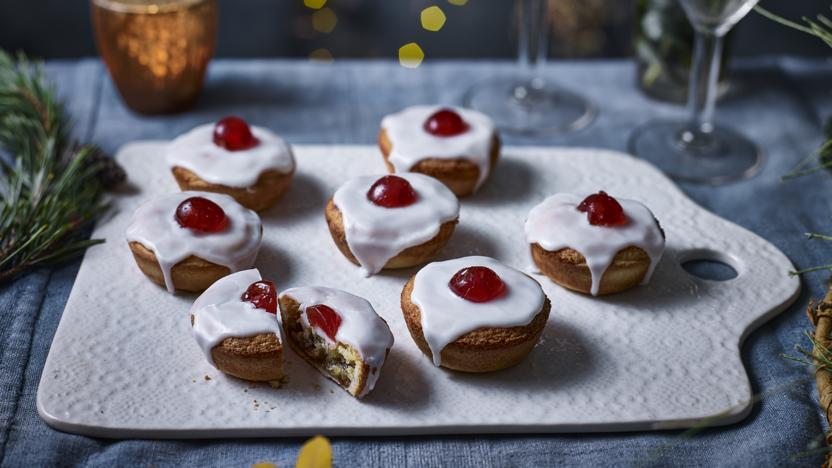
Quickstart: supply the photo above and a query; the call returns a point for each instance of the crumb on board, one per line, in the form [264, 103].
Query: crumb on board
[207, 378]
[279, 383]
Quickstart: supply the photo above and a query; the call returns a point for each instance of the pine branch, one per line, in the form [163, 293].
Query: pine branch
[821, 28]
[51, 187]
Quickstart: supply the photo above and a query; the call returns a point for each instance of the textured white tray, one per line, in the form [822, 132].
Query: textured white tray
[123, 363]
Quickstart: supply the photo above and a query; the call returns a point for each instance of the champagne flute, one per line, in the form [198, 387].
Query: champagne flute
[526, 103]
[697, 149]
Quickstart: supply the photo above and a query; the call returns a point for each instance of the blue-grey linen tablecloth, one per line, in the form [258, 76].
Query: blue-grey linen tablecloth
[778, 102]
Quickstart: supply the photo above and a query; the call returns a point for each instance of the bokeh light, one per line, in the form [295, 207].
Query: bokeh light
[458, 2]
[433, 18]
[324, 20]
[411, 55]
[315, 4]
[321, 55]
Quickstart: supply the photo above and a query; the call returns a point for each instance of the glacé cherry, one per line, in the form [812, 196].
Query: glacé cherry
[445, 123]
[234, 134]
[603, 210]
[262, 294]
[477, 284]
[392, 192]
[325, 318]
[201, 214]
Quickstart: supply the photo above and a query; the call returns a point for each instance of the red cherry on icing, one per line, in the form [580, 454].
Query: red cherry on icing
[445, 123]
[262, 295]
[392, 192]
[326, 319]
[234, 134]
[603, 210]
[477, 284]
[201, 214]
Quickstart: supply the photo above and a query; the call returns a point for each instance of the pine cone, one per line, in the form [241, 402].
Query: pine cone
[110, 175]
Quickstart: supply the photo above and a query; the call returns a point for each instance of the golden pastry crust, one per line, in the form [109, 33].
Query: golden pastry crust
[257, 358]
[409, 257]
[481, 350]
[328, 361]
[567, 267]
[459, 175]
[192, 274]
[270, 186]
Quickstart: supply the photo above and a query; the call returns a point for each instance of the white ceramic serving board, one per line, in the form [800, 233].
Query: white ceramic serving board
[123, 362]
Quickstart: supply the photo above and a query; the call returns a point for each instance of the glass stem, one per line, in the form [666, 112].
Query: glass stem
[533, 39]
[707, 57]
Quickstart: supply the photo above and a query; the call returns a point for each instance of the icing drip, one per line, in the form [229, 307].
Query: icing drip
[411, 143]
[196, 151]
[219, 313]
[446, 316]
[376, 234]
[361, 327]
[154, 226]
[556, 224]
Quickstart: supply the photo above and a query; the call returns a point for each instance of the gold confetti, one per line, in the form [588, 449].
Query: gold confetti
[264, 465]
[315, 453]
[433, 18]
[458, 2]
[321, 55]
[411, 55]
[315, 4]
[324, 20]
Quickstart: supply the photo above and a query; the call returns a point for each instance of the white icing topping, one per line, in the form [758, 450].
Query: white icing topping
[220, 313]
[361, 327]
[446, 316]
[196, 151]
[376, 234]
[411, 143]
[556, 224]
[154, 226]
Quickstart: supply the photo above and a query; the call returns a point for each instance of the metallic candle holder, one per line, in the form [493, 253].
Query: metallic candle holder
[157, 51]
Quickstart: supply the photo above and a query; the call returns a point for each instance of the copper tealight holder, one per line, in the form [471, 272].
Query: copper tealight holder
[157, 51]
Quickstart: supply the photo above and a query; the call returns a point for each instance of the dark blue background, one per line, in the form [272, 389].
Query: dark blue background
[377, 28]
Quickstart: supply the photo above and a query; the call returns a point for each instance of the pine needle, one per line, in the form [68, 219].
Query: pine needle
[820, 27]
[51, 187]
[814, 235]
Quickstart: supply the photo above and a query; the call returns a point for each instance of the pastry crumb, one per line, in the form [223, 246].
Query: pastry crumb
[279, 383]
[207, 378]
